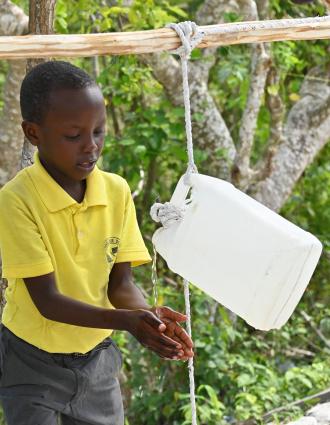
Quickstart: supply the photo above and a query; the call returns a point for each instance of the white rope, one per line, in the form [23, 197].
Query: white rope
[169, 213]
[190, 37]
[190, 360]
[166, 214]
[154, 277]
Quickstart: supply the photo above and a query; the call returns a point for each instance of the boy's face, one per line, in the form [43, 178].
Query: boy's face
[71, 136]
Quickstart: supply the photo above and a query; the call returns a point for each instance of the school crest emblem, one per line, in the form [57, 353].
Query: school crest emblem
[111, 248]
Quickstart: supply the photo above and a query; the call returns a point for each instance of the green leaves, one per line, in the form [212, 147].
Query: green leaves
[245, 379]
[150, 14]
[209, 408]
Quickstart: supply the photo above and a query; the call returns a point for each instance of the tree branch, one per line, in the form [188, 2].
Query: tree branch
[13, 20]
[315, 328]
[260, 65]
[320, 397]
[305, 133]
[327, 6]
[241, 173]
[210, 132]
[277, 109]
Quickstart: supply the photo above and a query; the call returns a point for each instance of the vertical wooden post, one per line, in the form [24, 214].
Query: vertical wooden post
[41, 21]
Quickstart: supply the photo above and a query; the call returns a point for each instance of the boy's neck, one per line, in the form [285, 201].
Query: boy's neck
[79, 193]
[75, 189]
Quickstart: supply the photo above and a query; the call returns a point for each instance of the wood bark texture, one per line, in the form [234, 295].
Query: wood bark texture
[138, 42]
[305, 133]
[41, 21]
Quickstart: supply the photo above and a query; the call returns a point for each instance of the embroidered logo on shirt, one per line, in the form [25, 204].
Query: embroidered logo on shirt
[111, 249]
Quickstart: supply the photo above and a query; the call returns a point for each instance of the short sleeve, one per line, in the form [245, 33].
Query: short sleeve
[22, 249]
[131, 247]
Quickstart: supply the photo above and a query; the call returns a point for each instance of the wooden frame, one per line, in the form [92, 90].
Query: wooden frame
[123, 43]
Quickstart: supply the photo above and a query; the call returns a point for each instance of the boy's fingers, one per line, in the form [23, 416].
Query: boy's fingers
[159, 339]
[163, 351]
[185, 340]
[174, 329]
[154, 321]
[183, 335]
[169, 313]
[169, 342]
[182, 357]
[175, 343]
[187, 349]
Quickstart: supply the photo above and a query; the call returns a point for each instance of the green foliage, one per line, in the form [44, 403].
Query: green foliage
[83, 16]
[239, 372]
[309, 207]
[288, 9]
[152, 14]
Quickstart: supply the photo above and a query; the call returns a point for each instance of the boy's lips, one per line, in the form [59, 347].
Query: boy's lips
[87, 164]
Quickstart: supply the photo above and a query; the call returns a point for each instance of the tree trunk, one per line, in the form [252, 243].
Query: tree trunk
[305, 133]
[41, 21]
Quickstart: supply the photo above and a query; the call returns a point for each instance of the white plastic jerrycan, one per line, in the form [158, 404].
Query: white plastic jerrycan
[241, 253]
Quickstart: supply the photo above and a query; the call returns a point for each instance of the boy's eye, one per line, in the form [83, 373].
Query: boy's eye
[72, 137]
[96, 133]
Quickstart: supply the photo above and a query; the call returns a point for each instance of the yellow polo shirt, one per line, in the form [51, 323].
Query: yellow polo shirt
[43, 229]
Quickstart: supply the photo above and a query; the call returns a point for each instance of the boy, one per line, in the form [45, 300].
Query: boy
[68, 238]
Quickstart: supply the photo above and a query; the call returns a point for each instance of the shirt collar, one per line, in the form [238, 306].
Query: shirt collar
[56, 198]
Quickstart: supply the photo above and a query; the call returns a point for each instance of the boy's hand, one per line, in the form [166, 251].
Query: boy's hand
[174, 330]
[150, 331]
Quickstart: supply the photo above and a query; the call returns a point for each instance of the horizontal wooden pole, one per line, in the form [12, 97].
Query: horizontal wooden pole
[123, 43]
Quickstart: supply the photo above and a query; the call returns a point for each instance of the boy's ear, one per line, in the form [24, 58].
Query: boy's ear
[31, 132]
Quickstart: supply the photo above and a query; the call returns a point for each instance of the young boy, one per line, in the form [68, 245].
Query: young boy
[68, 238]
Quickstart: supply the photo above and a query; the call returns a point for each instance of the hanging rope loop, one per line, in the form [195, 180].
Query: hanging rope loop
[190, 36]
[168, 213]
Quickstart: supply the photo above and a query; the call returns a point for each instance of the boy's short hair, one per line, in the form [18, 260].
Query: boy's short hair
[45, 78]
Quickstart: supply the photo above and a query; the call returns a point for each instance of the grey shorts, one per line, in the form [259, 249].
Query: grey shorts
[41, 388]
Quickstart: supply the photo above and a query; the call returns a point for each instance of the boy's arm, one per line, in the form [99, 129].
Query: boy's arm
[60, 308]
[142, 324]
[123, 293]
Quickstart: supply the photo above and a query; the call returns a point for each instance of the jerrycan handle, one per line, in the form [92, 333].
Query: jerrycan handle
[181, 191]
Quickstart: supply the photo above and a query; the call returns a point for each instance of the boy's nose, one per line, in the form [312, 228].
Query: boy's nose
[90, 144]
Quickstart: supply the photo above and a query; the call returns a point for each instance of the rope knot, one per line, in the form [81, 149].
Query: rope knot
[190, 36]
[166, 214]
